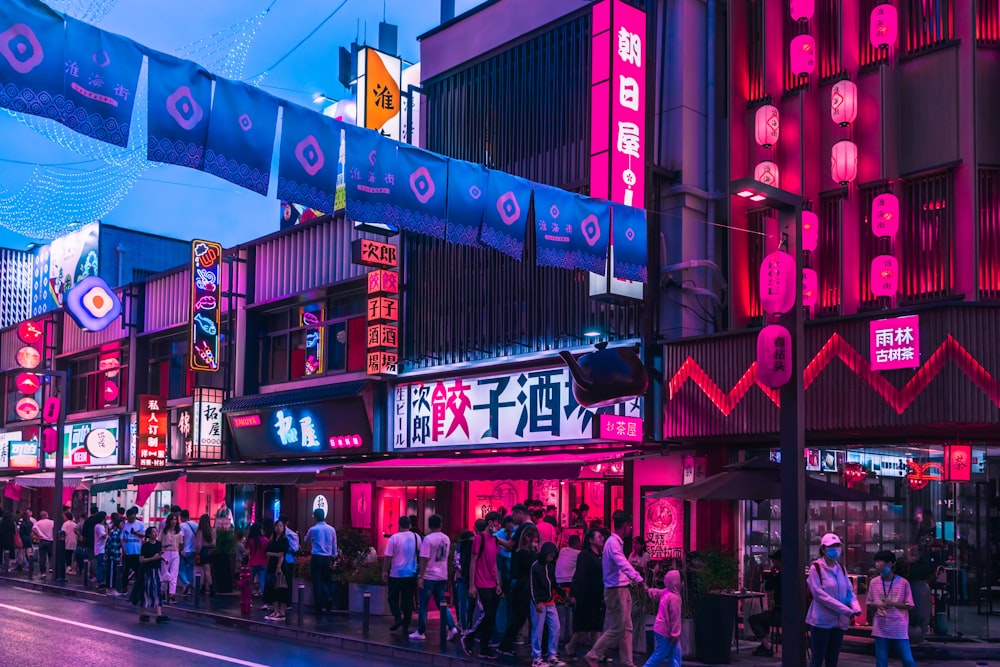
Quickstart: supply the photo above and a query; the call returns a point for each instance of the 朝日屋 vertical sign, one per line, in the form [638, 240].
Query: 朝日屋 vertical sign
[895, 343]
[206, 305]
[154, 429]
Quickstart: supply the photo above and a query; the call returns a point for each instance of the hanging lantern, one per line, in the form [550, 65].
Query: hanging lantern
[883, 27]
[774, 356]
[50, 440]
[854, 473]
[777, 283]
[844, 102]
[810, 288]
[844, 164]
[766, 124]
[885, 215]
[766, 172]
[810, 231]
[803, 55]
[885, 275]
[802, 10]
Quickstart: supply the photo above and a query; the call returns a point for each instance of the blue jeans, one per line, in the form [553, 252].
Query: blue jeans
[826, 646]
[186, 573]
[882, 646]
[436, 589]
[462, 607]
[548, 616]
[666, 653]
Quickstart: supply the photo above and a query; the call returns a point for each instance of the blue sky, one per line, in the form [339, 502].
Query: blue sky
[181, 202]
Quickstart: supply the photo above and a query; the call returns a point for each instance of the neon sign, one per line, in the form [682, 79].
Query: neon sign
[206, 305]
[618, 427]
[895, 343]
[246, 420]
[154, 427]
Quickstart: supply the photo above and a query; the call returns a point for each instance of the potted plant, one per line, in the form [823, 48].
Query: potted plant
[710, 575]
[354, 548]
[224, 562]
[368, 579]
[302, 575]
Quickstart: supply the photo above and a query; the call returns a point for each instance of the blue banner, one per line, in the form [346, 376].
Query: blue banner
[423, 200]
[31, 58]
[505, 213]
[556, 225]
[307, 162]
[180, 100]
[590, 246]
[101, 76]
[629, 241]
[466, 196]
[241, 135]
[371, 174]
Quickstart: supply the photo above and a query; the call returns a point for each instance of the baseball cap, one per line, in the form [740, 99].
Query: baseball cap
[829, 540]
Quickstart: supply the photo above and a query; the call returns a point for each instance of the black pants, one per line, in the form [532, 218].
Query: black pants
[44, 555]
[322, 581]
[401, 592]
[130, 564]
[762, 623]
[517, 614]
[484, 625]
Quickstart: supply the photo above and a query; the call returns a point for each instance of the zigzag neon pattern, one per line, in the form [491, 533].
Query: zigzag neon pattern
[838, 348]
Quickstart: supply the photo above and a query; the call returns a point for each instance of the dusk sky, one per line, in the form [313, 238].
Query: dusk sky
[181, 202]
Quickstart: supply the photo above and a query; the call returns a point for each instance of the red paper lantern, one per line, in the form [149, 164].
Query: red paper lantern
[767, 122]
[844, 102]
[884, 26]
[803, 55]
[844, 161]
[885, 275]
[50, 439]
[777, 283]
[885, 215]
[766, 172]
[810, 231]
[854, 472]
[802, 10]
[810, 288]
[774, 356]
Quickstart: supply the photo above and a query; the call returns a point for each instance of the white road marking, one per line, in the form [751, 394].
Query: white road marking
[27, 590]
[116, 633]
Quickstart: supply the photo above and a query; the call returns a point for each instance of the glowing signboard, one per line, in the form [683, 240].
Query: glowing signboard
[303, 431]
[153, 432]
[92, 304]
[895, 343]
[206, 305]
[618, 428]
[374, 253]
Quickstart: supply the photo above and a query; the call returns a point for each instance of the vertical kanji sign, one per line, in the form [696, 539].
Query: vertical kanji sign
[206, 305]
[154, 429]
[383, 304]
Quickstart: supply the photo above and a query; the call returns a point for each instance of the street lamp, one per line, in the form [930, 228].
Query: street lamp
[794, 537]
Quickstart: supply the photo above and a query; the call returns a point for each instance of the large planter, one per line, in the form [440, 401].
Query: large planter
[379, 599]
[223, 569]
[715, 620]
[341, 597]
[687, 638]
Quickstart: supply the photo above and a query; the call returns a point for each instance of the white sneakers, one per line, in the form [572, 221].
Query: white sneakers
[416, 634]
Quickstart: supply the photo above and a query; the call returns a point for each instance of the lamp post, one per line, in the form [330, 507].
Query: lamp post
[794, 538]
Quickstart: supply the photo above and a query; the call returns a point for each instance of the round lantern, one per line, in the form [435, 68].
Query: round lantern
[844, 163]
[29, 332]
[49, 440]
[885, 275]
[810, 288]
[27, 408]
[766, 172]
[885, 215]
[884, 26]
[766, 125]
[27, 383]
[777, 283]
[810, 231]
[844, 102]
[803, 55]
[802, 10]
[774, 356]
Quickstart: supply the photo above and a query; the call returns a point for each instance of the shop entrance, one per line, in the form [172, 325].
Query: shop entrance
[396, 501]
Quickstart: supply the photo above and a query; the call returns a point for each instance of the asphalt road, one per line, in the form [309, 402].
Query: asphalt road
[38, 630]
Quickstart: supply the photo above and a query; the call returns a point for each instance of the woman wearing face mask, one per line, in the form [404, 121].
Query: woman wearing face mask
[833, 603]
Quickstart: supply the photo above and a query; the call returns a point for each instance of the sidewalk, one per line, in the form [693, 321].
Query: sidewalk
[344, 630]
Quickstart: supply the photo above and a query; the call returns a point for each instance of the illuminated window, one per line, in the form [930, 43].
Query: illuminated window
[930, 24]
[928, 216]
[827, 255]
[98, 381]
[307, 341]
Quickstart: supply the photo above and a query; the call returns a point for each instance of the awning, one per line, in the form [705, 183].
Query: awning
[47, 480]
[111, 482]
[468, 469]
[280, 399]
[157, 476]
[248, 474]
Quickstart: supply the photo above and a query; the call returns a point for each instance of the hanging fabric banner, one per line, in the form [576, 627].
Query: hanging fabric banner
[307, 162]
[31, 58]
[423, 199]
[241, 135]
[629, 242]
[371, 174]
[466, 196]
[180, 99]
[505, 213]
[101, 77]
[590, 246]
[556, 225]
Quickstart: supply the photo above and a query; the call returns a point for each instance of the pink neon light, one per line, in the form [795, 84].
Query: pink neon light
[345, 441]
[619, 428]
[246, 420]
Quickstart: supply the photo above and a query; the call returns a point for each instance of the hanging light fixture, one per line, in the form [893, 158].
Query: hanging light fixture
[766, 172]
[885, 275]
[767, 123]
[885, 215]
[884, 26]
[844, 102]
[810, 231]
[802, 10]
[810, 288]
[803, 55]
[844, 161]
[774, 356]
[777, 283]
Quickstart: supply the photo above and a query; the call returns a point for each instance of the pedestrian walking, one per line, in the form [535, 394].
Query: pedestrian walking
[484, 586]
[114, 555]
[42, 531]
[257, 557]
[399, 569]
[519, 608]
[99, 535]
[833, 603]
[432, 578]
[505, 542]
[618, 575]
[588, 591]
[278, 589]
[133, 533]
[322, 541]
[462, 566]
[146, 592]
[892, 600]
[546, 593]
[667, 626]
[188, 530]
[204, 552]
[69, 545]
[565, 569]
[87, 540]
[173, 541]
[8, 535]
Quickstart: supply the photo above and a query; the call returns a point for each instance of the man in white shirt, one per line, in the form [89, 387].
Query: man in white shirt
[323, 540]
[565, 569]
[43, 531]
[433, 577]
[133, 532]
[400, 571]
[69, 527]
[618, 574]
[188, 530]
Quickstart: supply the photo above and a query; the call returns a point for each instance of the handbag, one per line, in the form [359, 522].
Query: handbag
[18, 544]
[280, 580]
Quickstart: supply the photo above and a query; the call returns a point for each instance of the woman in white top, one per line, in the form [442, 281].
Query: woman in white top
[172, 541]
[833, 605]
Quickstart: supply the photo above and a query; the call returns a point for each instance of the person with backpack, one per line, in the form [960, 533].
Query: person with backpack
[485, 585]
[891, 598]
[833, 603]
[462, 563]
[399, 569]
[545, 594]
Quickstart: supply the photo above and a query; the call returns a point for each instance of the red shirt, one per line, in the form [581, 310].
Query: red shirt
[256, 552]
[485, 550]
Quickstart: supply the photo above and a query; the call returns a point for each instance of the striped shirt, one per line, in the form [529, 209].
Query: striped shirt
[891, 623]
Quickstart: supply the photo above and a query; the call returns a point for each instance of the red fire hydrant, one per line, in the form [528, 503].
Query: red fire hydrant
[246, 586]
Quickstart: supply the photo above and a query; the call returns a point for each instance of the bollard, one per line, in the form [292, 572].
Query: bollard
[197, 590]
[301, 604]
[444, 628]
[366, 612]
[59, 557]
[31, 565]
[85, 572]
